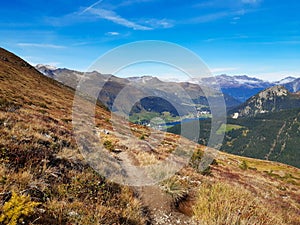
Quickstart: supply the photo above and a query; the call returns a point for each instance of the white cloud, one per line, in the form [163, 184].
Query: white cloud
[38, 45]
[159, 23]
[238, 37]
[91, 6]
[111, 15]
[230, 4]
[216, 16]
[112, 33]
[115, 18]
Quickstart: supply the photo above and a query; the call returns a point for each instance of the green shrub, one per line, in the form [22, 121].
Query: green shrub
[244, 165]
[196, 158]
[142, 137]
[207, 171]
[176, 189]
[108, 145]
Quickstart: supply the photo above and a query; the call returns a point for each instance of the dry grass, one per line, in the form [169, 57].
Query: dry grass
[279, 192]
[227, 204]
[146, 158]
[39, 156]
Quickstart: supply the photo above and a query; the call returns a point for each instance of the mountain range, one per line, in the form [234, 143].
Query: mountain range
[266, 126]
[243, 87]
[273, 99]
[183, 95]
[239, 87]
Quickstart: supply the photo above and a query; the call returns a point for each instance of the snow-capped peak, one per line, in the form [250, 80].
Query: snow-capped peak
[48, 67]
[143, 79]
[226, 81]
[286, 80]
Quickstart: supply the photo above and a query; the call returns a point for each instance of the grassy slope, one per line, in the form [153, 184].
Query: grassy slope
[39, 157]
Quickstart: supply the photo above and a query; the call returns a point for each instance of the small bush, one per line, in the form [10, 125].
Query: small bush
[207, 171]
[176, 189]
[8, 106]
[244, 165]
[108, 145]
[16, 208]
[196, 158]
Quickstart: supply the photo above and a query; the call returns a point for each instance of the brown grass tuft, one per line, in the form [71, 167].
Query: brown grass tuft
[227, 204]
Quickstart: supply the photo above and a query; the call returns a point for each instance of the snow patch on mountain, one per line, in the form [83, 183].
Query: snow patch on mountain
[143, 79]
[286, 80]
[48, 67]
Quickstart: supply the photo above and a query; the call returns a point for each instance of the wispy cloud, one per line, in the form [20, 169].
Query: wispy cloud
[115, 18]
[229, 4]
[38, 45]
[216, 16]
[101, 10]
[159, 23]
[112, 33]
[90, 7]
[112, 16]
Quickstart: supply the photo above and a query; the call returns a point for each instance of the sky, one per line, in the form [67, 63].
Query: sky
[260, 38]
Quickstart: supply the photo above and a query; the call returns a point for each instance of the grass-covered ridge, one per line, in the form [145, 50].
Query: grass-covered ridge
[40, 159]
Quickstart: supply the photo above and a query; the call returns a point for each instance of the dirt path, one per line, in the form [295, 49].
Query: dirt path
[159, 205]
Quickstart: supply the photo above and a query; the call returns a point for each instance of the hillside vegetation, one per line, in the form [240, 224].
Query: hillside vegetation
[267, 127]
[45, 180]
[272, 136]
[39, 156]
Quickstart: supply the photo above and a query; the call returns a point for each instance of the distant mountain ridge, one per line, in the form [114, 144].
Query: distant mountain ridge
[285, 80]
[239, 87]
[273, 99]
[268, 126]
[293, 86]
[226, 81]
[242, 87]
[183, 95]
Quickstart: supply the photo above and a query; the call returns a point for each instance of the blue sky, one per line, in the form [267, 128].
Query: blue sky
[256, 37]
